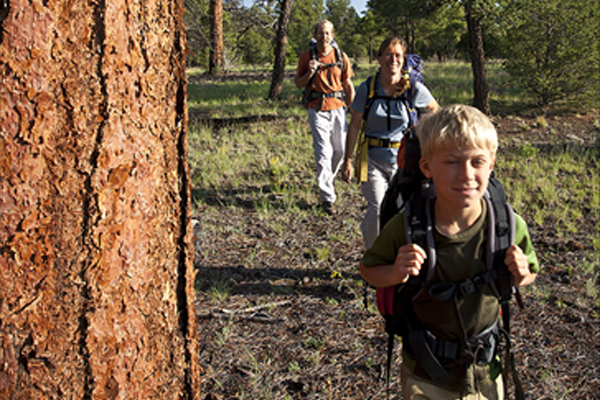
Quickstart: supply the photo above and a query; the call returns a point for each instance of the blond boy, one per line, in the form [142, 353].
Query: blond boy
[458, 145]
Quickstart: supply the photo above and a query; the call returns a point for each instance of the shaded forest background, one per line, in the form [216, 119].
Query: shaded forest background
[548, 48]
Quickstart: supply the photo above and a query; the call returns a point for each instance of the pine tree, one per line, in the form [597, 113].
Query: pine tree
[96, 274]
[551, 48]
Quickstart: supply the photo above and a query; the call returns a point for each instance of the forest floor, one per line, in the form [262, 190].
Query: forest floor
[291, 323]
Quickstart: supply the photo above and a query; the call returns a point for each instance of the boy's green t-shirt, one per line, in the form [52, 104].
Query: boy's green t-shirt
[393, 236]
[459, 257]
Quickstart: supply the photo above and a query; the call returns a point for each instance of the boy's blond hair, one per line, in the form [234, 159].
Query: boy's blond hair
[456, 126]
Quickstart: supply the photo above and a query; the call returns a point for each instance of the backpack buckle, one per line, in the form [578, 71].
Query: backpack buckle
[467, 287]
[385, 142]
[502, 228]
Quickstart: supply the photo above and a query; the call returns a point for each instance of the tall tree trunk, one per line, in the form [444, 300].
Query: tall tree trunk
[216, 37]
[96, 269]
[280, 50]
[480, 84]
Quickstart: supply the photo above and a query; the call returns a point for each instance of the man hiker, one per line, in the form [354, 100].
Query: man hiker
[326, 74]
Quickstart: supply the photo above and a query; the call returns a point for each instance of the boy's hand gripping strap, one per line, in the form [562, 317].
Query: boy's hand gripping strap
[419, 230]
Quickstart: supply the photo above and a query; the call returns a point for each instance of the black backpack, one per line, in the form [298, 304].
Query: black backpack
[411, 192]
[310, 95]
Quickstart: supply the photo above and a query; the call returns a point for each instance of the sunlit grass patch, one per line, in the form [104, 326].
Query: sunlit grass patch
[212, 98]
[556, 187]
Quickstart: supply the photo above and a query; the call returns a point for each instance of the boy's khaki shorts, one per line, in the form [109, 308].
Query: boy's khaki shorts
[415, 388]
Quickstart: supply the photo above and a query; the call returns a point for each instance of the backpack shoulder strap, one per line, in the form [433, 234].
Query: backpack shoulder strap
[500, 237]
[340, 58]
[313, 52]
[371, 82]
[362, 148]
[399, 313]
[501, 231]
[408, 98]
[418, 224]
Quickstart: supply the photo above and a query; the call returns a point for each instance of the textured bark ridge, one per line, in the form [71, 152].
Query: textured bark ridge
[96, 274]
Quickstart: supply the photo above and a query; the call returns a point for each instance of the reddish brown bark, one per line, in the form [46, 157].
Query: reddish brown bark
[96, 276]
[216, 37]
[280, 50]
[480, 84]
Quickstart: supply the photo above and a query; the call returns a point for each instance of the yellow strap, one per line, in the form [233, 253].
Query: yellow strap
[362, 156]
[361, 162]
[383, 143]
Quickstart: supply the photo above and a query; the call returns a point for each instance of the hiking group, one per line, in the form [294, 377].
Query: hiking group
[444, 250]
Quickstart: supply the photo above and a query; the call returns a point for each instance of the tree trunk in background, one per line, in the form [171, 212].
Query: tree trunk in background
[280, 50]
[96, 268]
[216, 37]
[480, 84]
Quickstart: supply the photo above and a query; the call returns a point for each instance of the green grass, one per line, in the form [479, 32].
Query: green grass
[215, 98]
[449, 82]
[259, 158]
[268, 168]
[551, 187]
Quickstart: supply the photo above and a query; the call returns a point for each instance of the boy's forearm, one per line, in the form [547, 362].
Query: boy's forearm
[383, 275]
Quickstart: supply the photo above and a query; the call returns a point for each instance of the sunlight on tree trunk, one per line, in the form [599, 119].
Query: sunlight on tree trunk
[480, 84]
[216, 37]
[280, 49]
[96, 263]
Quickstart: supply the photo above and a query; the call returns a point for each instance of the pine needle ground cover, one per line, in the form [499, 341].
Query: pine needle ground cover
[279, 297]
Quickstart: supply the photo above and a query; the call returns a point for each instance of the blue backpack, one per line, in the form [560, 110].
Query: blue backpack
[414, 69]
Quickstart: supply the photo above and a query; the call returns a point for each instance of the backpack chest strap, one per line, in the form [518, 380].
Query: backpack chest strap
[445, 290]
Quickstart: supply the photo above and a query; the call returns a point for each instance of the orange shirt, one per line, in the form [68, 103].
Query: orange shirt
[326, 79]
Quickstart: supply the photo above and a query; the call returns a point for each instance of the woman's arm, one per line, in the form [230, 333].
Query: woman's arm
[432, 107]
[355, 122]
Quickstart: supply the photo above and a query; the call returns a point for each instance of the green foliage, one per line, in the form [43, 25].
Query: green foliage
[551, 48]
[344, 21]
[255, 47]
[313, 343]
[215, 99]
[440, 32]
[197, 21]
[392, 15]
[305, 14]
[247, 33]
[449, 82]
